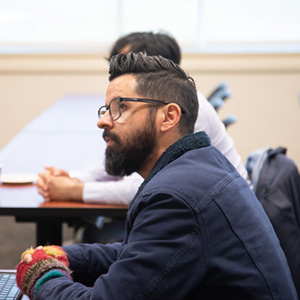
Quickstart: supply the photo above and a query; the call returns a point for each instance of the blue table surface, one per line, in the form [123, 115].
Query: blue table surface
[64, 136]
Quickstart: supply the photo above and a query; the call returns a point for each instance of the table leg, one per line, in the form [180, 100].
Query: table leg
[48, 232]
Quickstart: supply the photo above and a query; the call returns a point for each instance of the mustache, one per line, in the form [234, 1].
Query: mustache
[112, 136]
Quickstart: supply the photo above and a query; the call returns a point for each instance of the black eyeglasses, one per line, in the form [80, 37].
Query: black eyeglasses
[115, 106]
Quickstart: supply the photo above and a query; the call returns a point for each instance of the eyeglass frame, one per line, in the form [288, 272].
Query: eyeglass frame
[140, 100]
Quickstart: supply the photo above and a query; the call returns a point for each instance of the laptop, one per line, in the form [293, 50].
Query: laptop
[8, 286]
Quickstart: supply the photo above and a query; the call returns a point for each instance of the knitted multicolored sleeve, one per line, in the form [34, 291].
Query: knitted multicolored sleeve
[47, 263]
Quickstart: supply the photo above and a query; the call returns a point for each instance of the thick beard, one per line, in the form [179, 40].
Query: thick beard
[131, 155]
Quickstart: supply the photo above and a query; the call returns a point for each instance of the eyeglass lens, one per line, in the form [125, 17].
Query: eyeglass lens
[114, 110]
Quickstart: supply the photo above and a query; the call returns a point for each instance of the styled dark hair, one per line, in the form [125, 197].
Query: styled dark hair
[150, 43]
[161, 79]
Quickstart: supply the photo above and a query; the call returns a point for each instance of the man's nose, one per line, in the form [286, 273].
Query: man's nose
[105, 121]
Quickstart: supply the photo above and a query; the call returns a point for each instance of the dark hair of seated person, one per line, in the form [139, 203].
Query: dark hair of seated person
[150, 43]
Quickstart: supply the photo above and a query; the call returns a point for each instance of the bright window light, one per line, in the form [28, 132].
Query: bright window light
[252, 21]
[39, 26]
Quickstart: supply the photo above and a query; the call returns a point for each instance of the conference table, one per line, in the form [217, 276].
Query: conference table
[64, 136]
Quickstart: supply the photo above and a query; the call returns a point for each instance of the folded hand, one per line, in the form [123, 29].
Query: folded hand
[57, 185]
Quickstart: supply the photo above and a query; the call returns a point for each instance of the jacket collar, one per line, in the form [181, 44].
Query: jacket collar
[189, 142]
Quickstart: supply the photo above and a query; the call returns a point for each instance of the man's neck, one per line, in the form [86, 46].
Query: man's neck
[150, 162]
[163, 144]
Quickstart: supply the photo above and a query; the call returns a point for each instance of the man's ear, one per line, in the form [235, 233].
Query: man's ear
[170, 116]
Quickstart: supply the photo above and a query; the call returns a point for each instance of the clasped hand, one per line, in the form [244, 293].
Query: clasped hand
[57, 185]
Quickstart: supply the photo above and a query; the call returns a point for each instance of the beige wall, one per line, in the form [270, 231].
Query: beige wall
[265, 92]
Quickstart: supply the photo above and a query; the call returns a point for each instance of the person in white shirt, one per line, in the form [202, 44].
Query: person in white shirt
[94, 185]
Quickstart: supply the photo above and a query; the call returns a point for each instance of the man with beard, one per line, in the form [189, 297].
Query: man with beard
[194, 230]
[94, 185]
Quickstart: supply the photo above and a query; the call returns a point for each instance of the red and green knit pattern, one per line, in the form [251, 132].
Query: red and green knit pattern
[47, 263]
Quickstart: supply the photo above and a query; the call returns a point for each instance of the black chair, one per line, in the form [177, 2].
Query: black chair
[217, 98]
[221, 91]
[216, 102]
[276, 183]
[231, 119]
[103, 230]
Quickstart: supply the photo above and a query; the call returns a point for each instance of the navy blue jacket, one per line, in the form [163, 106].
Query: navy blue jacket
[194, 230]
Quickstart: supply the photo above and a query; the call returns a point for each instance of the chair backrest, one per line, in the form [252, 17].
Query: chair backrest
[221, 91]
[278, 190]
[216, 99]
[231, 119]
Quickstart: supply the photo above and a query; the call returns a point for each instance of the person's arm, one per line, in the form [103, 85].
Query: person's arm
[95, 172]
[209, 121]
[156, 262]
[112, 192]
[92, 185]
[56, 187]
[49, 262]
[99, 187]
[82, 256]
